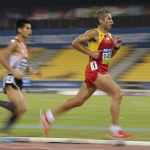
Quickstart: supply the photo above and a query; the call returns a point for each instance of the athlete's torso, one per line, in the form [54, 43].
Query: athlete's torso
[105, 45]
[19, 62]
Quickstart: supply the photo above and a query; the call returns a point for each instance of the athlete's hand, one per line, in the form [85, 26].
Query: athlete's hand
[17, 74]
[37, 72]
[95, 54]
[117, 42]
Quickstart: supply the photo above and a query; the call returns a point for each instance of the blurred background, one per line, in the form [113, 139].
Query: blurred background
[56, 24]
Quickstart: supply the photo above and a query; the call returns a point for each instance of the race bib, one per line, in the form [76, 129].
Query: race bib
[106, 55]
[9, 79]
[93, 65]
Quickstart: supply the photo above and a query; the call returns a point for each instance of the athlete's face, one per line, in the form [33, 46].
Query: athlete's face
[26, 31]
[107, 22]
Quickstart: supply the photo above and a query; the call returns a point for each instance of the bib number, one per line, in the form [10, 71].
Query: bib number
[93, 65]
[106, 55]
[9, 79]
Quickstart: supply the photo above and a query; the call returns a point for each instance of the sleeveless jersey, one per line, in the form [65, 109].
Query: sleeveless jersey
[105, 44]
[19, 62]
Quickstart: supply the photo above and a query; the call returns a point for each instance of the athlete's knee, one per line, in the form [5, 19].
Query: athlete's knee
[118, 95]
[21, 110]
[24, 110]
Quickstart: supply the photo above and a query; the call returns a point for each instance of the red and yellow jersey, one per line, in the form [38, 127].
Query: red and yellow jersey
[105, 45]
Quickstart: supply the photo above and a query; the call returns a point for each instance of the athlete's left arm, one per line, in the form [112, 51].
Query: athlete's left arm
[117, 44]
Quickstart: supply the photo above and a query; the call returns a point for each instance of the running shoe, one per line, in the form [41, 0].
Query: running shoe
[121, 135]
[44, 124]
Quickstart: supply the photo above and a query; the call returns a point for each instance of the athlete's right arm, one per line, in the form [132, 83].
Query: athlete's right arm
[90, 35]
[8, 51]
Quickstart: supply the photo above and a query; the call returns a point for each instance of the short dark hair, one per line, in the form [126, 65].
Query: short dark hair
[101, 14]
[21, 23]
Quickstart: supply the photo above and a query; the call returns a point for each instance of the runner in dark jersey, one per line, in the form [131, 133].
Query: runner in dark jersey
[14, 59]
[101, 47]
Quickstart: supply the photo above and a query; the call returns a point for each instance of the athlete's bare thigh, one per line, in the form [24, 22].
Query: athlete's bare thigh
[85, 92]
[17, 97]
[106, 84]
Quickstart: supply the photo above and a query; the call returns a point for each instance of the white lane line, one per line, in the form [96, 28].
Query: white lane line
[42, 148]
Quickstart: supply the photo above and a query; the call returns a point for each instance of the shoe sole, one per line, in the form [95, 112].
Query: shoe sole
[119, 138]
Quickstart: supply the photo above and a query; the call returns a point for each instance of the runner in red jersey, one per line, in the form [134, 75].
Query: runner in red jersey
[14, 59]
[101, 47]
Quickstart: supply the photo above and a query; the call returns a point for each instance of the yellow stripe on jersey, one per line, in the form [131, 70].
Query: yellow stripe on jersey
[94, 46]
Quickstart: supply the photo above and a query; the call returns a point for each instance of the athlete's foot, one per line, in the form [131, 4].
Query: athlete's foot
[44, 124]
[120, 135]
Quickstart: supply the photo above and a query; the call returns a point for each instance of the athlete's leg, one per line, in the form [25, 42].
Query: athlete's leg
[48, 117]
[17, 98]
[7, 105]
[83, 94]
[107, 84]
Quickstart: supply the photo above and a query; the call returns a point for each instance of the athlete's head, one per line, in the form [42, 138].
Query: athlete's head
[103, 17]
[23, 27]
